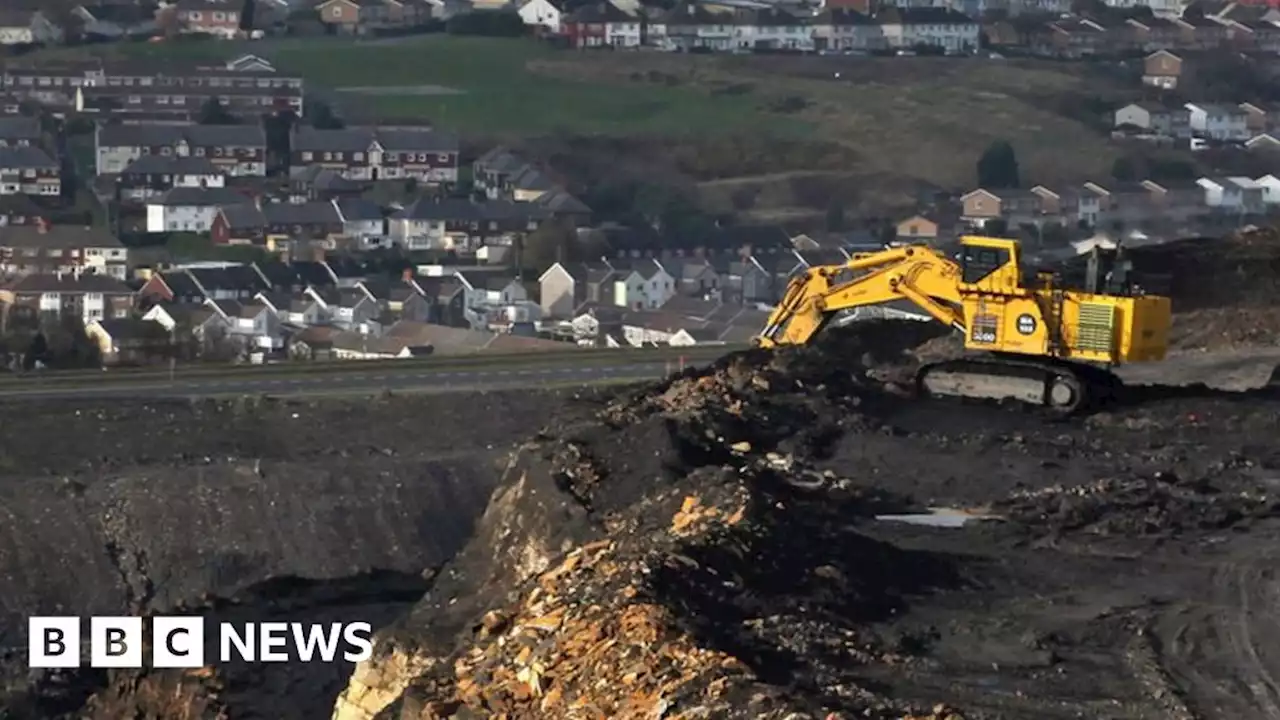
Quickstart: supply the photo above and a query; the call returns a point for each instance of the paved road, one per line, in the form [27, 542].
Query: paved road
[371, 380]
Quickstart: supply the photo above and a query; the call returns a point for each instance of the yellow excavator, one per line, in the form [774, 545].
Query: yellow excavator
[1035, 342]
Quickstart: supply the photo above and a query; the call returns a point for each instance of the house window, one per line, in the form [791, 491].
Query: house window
[166, 151]
[443, 157]
[328, 156]
[306, 156]
[336, 12]
[358, 157]
[135, 100]
[199, 152]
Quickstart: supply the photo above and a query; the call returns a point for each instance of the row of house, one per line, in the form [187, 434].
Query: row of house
[868, 27]
[357, 153]
[1129, 204]
[1082, 37]
[247, 88]
[692, 26]
[1246, 123]
[430, 223]
[749, 277]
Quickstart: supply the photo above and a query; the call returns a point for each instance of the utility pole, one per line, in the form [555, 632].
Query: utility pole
[173, 353]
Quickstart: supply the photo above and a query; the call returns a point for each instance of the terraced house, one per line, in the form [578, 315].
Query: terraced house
[692, 26]
[28, 170]
[40, 248]
[235, 150]
[125, 88]
[367, 153]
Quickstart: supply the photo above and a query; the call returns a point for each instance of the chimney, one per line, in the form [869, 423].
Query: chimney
[42, 225]
[407, 275]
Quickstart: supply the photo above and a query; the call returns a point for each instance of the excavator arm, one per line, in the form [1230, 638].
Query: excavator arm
[919, 274]
[1040, 344]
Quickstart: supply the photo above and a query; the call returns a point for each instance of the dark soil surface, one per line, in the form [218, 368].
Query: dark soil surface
[707, 547]
[151, 507]
[730, 562]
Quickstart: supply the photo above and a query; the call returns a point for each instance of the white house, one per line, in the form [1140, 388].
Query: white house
[301, 310]
[188, 209]
[490, 289]
[844, 29]
[542, 13]
[1270, 185]
[1219, 122]
[627, 33]
[348, 308]
[643, 285]
[1233, 194]
[361, 218]
[941, 27]
[772, 29]
[203, 322]
[258, 324]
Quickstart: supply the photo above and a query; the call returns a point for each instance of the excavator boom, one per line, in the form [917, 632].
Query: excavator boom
[1037, 343]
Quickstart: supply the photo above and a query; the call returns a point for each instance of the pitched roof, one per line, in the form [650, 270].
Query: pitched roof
[360, 139]
[19, 127]
[198, 197]
[57, 236]
[25, 156]
[170, 165]
[359, 209]
[154, 134]
[69, 283]
[922, 16]
[463, 209]
[600, 12]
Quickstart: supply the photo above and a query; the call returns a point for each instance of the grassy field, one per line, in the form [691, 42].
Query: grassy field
[496, 88]
[899, 125]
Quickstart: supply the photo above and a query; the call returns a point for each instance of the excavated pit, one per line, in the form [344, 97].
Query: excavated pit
[289, 510]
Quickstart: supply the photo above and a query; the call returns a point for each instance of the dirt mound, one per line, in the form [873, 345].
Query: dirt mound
[680, 547]
[1237, 270]
[1161, 505]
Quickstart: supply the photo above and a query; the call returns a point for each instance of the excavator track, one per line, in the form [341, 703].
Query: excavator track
[1060, 386]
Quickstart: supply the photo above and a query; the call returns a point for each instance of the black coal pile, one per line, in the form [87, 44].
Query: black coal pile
[676, 557]
[1162, 505]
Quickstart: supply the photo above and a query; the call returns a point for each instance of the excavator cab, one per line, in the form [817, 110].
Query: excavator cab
[990, 265]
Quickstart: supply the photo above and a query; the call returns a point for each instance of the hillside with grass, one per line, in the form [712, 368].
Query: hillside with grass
[804, 132]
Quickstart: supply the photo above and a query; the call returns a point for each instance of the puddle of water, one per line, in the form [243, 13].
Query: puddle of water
[939, 517]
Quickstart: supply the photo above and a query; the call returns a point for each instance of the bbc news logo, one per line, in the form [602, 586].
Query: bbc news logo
[179, 642]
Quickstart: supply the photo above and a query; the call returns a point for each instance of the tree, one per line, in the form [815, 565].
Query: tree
[213, 113]
[1124, 169]
[491, 24]
[246, 15]
[998, 167]
[322, 117]
[835, 216]
[552, 242]
[1054, 234]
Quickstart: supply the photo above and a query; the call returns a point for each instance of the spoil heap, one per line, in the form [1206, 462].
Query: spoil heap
[677, 557]
[1223, 289]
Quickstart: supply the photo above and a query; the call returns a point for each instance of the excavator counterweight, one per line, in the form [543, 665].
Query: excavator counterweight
[1036, 342]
